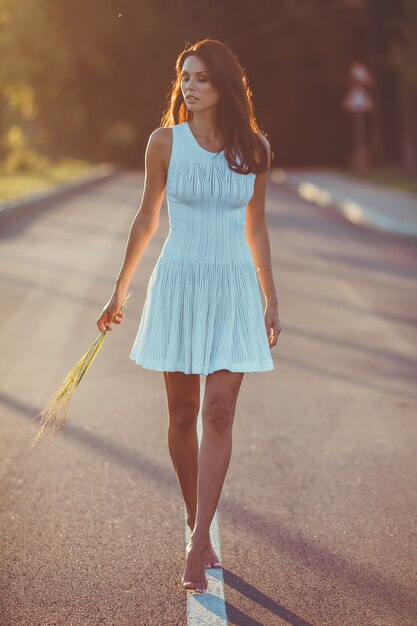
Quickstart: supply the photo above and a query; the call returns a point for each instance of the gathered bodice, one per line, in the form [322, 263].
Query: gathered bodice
[206, 203]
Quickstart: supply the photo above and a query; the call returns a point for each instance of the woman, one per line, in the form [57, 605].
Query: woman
[203, 312]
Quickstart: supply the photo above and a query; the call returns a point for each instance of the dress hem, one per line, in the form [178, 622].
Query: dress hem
[243, 368]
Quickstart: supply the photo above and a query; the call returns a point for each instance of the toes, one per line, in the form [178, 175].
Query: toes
[202, 585]
[199, 585]
[196, 587]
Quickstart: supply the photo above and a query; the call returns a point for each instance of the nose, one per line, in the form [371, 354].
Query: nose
[190, 81]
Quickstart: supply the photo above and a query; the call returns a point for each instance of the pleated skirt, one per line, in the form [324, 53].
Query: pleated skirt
[202, 316]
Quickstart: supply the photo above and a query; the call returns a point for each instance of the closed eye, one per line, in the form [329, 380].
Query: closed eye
[202, 79]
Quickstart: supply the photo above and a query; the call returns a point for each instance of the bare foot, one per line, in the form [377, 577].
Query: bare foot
[194, 577]
[212, 560]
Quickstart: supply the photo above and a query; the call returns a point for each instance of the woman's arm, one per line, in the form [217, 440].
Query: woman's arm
[145, 222]
[257, 232]
[258, 240]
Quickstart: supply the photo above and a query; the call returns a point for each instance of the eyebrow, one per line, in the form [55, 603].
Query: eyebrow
[200, 72]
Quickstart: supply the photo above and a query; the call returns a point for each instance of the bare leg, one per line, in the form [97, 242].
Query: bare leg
[222, 388]
[183, 397]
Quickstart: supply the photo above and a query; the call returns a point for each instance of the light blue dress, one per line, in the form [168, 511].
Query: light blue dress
[203, 310]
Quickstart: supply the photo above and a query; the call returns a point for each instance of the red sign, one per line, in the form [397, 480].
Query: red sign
[358, 74]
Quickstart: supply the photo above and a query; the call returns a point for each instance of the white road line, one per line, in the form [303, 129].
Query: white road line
[209, 608]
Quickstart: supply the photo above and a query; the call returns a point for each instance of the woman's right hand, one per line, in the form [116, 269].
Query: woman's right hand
[111, 313]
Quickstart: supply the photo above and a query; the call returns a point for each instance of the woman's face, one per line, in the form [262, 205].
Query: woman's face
[195, 81]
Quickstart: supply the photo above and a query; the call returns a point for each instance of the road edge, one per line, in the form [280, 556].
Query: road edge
[28, 205]
[352, 211]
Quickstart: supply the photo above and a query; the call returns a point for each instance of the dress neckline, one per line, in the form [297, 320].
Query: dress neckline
[200, 146]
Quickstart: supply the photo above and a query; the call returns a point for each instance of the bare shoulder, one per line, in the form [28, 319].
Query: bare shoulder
[160, 144]
[264, 140]
[266, 144]
[161, 136]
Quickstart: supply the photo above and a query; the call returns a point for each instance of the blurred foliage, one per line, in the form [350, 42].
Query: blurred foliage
[21, 98]
[90, 78]
[19, 157]
[403, 51]
[390, 176]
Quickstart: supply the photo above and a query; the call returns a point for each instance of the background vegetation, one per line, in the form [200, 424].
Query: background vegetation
[89, 79]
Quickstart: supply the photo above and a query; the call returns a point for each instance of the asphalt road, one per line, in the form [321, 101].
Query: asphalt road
[318, 512]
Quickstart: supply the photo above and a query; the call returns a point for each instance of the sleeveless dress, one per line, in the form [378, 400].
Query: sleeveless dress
[203, 310]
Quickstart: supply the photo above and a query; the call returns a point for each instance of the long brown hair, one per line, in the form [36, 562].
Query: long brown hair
[235, 116]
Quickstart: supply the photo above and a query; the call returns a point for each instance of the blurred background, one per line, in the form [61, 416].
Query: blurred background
[334, 81]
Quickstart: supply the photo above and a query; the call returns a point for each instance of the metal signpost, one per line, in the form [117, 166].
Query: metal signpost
[358, 102]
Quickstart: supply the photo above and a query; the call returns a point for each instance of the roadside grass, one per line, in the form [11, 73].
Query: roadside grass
[390, 176]
[14, 185]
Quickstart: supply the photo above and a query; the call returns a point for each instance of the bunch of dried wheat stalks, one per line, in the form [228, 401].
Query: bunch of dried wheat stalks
[54, 414]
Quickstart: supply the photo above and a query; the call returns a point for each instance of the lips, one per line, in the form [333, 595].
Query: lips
[191, 98]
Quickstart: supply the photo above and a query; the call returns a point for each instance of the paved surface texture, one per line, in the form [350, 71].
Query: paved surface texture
[317, 515]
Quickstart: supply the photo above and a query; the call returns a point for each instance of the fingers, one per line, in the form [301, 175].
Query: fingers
[103, 324]
[273, 336]
[121, 315]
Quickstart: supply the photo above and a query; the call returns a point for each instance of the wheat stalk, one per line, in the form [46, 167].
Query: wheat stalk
[53, 416]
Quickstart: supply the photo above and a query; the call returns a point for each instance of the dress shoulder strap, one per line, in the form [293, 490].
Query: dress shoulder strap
[179, 150]
[181, 144]
[178, 143]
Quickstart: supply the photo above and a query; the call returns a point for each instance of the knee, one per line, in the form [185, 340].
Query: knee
[184, 416]
[218, 413]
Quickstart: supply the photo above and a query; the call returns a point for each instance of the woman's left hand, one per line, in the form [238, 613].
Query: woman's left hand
[272, 324]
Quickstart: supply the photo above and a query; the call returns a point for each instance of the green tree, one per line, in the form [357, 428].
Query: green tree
[403, 57]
